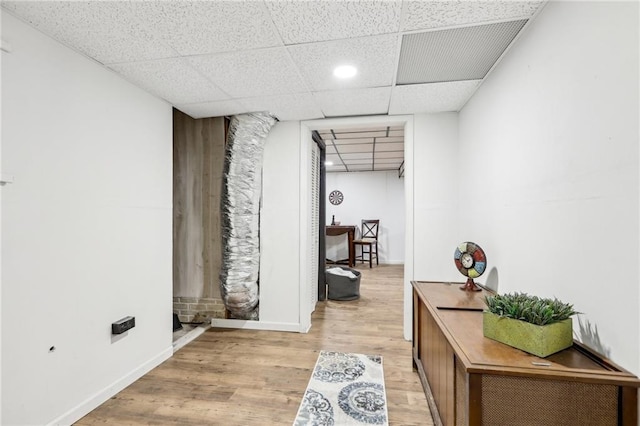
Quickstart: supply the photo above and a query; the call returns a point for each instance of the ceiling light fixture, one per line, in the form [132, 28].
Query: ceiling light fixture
[345, 71]
[328, 163]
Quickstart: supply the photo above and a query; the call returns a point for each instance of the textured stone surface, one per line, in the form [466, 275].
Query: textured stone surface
[198, 309]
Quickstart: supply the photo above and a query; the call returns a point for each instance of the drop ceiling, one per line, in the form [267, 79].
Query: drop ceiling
[372, 148]
[219, 58]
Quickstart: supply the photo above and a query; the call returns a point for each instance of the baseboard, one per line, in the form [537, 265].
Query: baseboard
[255, 325]
[392, 262]
[190, 337]
[100, 397]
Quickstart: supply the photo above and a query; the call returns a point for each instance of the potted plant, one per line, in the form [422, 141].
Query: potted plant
[535, 325]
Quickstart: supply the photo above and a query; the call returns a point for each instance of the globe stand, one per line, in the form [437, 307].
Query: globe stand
[470, 286]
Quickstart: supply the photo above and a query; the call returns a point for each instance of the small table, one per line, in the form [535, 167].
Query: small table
[350, 230]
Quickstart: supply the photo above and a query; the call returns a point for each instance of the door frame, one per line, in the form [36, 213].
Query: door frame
[306, 130]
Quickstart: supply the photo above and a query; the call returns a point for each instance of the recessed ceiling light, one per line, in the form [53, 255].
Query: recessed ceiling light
[328, 163]
[345, 71]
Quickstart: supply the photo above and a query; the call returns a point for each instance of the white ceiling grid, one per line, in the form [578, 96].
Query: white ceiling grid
[212, 58]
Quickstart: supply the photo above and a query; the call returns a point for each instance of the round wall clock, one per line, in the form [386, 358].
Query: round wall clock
[471, 262]
[336, 197]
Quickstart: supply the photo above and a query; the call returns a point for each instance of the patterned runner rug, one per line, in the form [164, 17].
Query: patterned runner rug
[345, 389]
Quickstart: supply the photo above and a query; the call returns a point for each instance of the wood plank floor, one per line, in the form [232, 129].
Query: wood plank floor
[247, 377]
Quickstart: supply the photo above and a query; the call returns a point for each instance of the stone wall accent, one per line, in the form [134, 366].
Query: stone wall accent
[198, 309]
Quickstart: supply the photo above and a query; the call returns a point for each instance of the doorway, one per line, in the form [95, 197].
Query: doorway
[405, 123]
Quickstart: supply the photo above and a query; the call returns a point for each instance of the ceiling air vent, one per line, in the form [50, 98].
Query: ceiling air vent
[456, 54]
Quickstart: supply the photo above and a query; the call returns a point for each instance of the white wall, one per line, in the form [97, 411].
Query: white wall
[435, 197]
[2, 176]
[549, 149]
[432, 169]
[86, 230]
[369, 195]
[280, 228]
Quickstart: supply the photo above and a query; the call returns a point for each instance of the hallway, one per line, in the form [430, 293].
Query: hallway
[248, 377]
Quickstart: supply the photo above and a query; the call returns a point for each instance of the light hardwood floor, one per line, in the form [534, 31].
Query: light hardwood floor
[247, 377]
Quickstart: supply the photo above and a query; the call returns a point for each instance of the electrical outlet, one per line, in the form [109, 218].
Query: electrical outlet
[123, 325]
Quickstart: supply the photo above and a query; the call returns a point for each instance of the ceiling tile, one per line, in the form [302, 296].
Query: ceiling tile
[355, 148]
[170, 79]
[389, 147]
[360, 167]
[354, 101]
[389, 156]
[299, 106]
[201, 27]
[434, 97]
[349, 135]
[254, 73]
[374, 57]
[419, 15]
[391, 139]
[212, 109]
[105, 31]
[310, 21]
[352, 166]
[380, 129]
[356, 156]
[352, 141]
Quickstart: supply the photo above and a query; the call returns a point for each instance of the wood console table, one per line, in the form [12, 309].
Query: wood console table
[473, 380]
[350, 230]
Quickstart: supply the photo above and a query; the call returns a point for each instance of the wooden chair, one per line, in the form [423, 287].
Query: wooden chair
[368, 239]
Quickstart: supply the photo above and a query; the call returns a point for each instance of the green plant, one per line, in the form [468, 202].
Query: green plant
[532, 309]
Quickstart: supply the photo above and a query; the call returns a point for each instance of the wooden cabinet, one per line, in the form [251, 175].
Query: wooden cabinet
[472, 380]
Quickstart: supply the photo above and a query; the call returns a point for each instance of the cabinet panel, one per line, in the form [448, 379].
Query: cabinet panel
[437, 360]
[511, 400]
[461, 394]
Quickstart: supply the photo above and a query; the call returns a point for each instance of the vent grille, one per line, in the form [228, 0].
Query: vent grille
[518, 401]
[455, 54]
